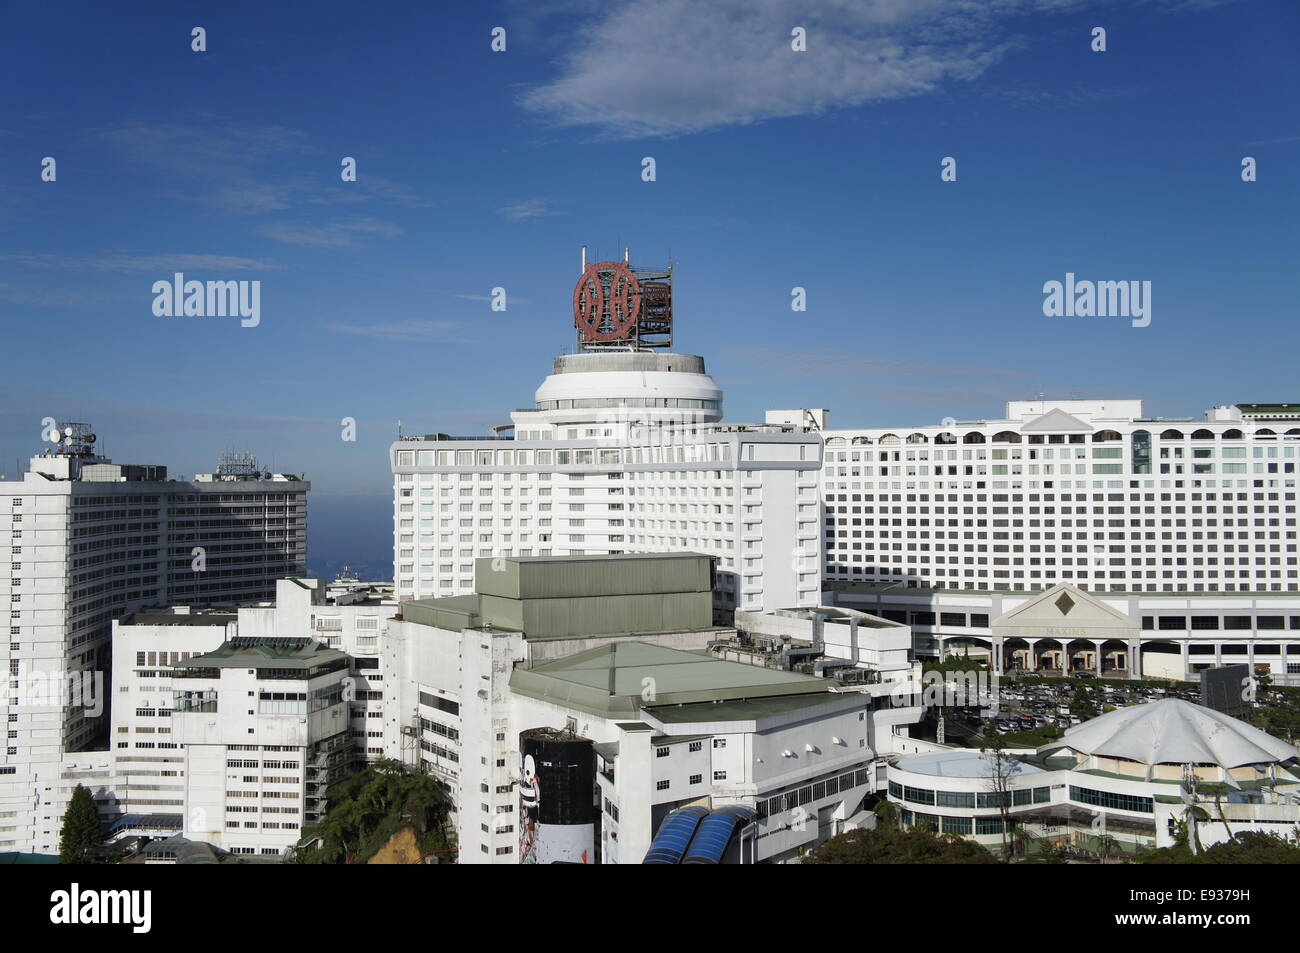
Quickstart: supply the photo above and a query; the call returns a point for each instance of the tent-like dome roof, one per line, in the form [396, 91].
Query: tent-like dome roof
[1172, 731]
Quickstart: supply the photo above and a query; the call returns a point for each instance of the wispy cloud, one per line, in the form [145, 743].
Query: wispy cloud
[417, 331]
[350, 234]
[46, 298]
[526, 210]
[124, 262]
[370, 187]
[512, 298]
[1273, 142]
[242, 169]
[730, 62]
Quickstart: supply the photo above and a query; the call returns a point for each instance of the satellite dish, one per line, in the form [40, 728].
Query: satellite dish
[67, 431]
[90, 438]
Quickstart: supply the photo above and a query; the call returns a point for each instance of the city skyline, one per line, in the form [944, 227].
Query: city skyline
[650, 432]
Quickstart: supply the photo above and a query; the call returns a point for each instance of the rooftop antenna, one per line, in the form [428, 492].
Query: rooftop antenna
[627, 254]
[584, 258]
[399, 428]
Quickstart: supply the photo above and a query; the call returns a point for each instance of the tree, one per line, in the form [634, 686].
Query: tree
[366, 809]
[1081, 704]
[1247, 847]
[889, 845]
[1107, 847]
[81, 838]
[1002, 769]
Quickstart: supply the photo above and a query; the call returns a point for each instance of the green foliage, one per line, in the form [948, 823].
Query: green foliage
[888, 814]
[888, 845]
[955, 663]
[1081, 705]
[1248, 847]
[1047, 853]
[368, 808]
[82, 836]
[1032, 738]
[1280, 721]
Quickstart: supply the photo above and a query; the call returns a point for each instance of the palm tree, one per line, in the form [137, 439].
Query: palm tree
[1107, 847]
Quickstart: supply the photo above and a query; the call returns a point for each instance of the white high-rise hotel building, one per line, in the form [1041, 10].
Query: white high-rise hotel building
[1186, 527]
[87, 540]
[624, 452]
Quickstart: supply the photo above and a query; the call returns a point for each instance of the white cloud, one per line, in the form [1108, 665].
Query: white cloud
[525, 210]
[348, 234]
[670, 67]
[122, 262]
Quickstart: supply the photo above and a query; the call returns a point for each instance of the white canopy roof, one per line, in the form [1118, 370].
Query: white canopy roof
[1173, 731]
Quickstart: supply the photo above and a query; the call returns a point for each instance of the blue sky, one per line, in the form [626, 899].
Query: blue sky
[775, 169]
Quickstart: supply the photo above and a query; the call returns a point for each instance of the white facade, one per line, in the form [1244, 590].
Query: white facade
[624, 452]
[260, 745]
[1165, 518]
[352, 619]
[149, 764]
[85, 541]
[153, 774]
[1069, 490]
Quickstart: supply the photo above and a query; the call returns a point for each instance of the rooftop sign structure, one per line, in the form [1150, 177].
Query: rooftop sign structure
[619, 307]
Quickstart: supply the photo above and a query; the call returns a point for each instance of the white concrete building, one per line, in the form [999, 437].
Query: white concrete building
[87, 540]
[148, 763]
[623, 451]
[614, 652]
[263, 729]
[1186, 526]
[1131, 775]
[148, 788]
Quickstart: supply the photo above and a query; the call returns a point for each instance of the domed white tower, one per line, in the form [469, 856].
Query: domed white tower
[634, 386]
[625, 371]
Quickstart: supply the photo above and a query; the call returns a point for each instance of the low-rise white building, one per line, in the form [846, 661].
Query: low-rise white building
[263, 727]
[1131, 777]
[614, 651]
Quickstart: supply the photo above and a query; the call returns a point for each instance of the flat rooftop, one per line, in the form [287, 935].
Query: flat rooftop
[616, 681]
[287, 653]
[175, 618]
[957, 764]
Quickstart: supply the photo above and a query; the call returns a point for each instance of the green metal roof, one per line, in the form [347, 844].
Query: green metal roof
[624, 574]
[1270, 408]
[744, 709]
[16, 857]
[270, 653]
[617, 680]
[549, 597]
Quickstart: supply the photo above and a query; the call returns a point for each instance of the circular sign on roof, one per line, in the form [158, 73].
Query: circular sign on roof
[607, 302]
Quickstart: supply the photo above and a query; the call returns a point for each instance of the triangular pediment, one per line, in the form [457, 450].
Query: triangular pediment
[1056, 419]
[1065, 611]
